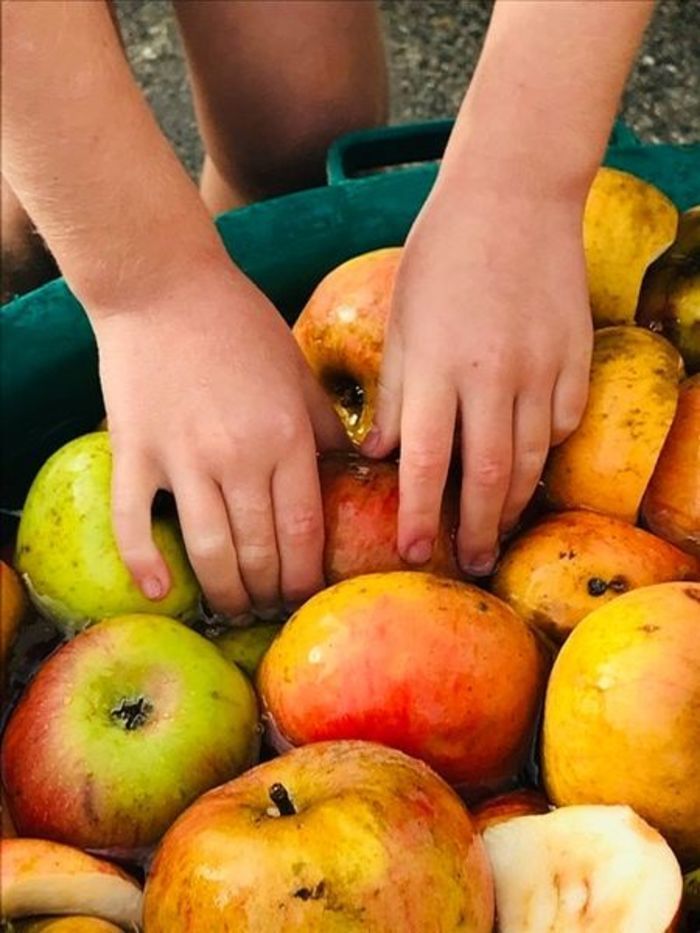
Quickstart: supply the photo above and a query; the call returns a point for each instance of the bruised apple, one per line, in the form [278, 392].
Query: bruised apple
[360, 508]
[627, 224]
[570, 564]
[120, 730]
[502, 807]
[606, 464]
[67, 552]
[436, 668]
[338, 836]
[341, 334]
[583, 869]
[622, 712]
[671, 506]
[39, 877]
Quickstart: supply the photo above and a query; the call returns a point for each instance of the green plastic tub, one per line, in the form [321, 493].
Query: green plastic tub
[377, 181]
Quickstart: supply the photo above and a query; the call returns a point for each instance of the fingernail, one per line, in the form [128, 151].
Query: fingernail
[481, 566]
[420, 552]
[371, 442]
[152, 588]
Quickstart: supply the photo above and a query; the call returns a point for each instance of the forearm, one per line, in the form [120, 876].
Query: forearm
[540, 106]
[85, 156]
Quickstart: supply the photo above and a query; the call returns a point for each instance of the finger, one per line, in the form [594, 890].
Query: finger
[427, 432]
[209, 542]
[134, 484]
[251, 517]
[296, 498]
[383, 437]
[531, 436]
[487, 456]
[570, 396]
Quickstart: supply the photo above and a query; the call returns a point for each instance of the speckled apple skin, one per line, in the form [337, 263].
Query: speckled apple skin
[378, 842]
[74, 774]
[67, 552]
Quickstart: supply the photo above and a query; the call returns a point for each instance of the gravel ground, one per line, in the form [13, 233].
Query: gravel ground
[433, 46]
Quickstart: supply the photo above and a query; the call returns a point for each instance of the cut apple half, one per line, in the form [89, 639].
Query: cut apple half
[38, 877]
[598, 869]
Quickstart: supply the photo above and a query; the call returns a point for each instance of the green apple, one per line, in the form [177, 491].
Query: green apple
[246, 647]
[337, 836]
[67, 552]
[691, 897]
[120, 730]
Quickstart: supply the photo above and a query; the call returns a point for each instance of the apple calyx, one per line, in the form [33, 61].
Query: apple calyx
[132, 712]
[348, 394]
[597, 586]
[279, 795]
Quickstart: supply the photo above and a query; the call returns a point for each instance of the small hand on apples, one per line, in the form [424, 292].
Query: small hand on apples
[490, 330]
[209, 397]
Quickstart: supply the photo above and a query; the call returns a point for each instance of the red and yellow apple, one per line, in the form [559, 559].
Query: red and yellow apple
[622, 712]
[360, 508]
[502, 807]
[606, 464]
[341, 334]
[67, 552]
[671, 506]
[436, 668]
[344, 836]
[120, 730]
[569, 564]
[39, 877]
[583, 869]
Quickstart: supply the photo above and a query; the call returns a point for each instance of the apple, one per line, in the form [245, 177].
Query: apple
[341, 333]
[670, 298]
[671, 506]
[621, 718]
[13, 606]
[580, 869]
[502, 807]
[627, 224]
[691, 898]
[6, 824]
[437, 668]
[360, 508]
[569, 564]
[606, 464]
[336, 836]
[67, 553]
[246, 647]
[67, 925]
[120, 730]
[40, 877]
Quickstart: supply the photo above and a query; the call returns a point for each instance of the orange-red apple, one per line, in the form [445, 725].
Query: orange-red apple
[434, 667]
[502, 807]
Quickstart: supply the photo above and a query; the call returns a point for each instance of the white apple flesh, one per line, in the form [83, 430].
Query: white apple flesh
[598, 869]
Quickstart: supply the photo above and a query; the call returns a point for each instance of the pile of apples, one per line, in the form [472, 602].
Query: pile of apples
[520, 755]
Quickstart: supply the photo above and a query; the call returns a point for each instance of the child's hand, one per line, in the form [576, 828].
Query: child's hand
[490, 330]
[208, 396]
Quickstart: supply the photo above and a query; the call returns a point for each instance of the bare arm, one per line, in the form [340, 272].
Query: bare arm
[491, 323]
[206, 392]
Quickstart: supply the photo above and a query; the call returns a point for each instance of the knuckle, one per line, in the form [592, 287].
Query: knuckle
[258, 556]
[490, 471]
[301, 523]
[530, 461]
[206, 548]
[424, 464]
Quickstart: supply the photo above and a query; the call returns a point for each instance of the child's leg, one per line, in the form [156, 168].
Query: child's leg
[274, 83]
[25, 261]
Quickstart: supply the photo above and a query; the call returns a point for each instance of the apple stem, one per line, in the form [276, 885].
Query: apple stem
[279, 795]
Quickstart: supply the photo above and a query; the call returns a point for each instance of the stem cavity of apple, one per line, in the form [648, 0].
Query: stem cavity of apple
[279, 795]
[132, 712]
